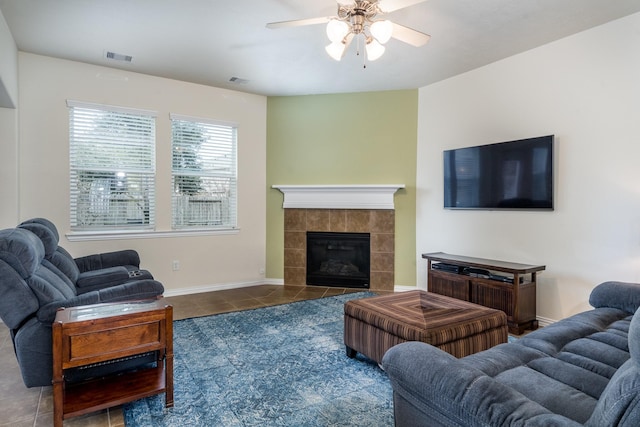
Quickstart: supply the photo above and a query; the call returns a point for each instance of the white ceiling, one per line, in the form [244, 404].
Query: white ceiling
[211, 41]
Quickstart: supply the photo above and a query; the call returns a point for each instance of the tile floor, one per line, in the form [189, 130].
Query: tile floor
[21, 406]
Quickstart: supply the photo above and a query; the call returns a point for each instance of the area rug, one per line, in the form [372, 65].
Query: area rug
[277, 366]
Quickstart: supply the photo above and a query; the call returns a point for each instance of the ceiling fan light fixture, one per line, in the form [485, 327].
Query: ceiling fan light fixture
[374, 50]
[336, 50]
[363, 19]
[381, 30]
[337, 30]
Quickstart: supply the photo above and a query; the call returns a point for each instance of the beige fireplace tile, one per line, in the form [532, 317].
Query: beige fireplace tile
[358, 221]
[295, 240]
[295, 276]
[338, 220]
[381, 242]
[317, 220]
[383, 221]
[295, 219]
[295, 258]
[381, 261]
[380, 223]
[382, 281]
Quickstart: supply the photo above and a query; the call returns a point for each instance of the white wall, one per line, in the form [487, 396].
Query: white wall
[585, 89]
[206, 261]
[8, 167]
[8, 127]
[8, 66]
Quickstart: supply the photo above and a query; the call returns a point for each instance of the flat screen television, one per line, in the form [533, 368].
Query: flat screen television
[513, 175]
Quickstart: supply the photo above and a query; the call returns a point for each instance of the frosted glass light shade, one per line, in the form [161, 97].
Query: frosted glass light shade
[337, 30]
[374, 50]
[381, 31]
[336, 50]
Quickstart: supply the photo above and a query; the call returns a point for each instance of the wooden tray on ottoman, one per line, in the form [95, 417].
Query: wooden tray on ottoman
[374, 325]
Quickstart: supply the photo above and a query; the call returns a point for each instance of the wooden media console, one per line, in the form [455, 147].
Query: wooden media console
[505, 286]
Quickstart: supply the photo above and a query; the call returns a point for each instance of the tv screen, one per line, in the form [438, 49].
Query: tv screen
[507, 175]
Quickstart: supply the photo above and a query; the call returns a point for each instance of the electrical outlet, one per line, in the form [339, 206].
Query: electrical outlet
[262, 270]
[175, 265]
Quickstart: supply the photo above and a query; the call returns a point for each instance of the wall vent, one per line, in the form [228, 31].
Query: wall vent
[118, 56]
[238, 80]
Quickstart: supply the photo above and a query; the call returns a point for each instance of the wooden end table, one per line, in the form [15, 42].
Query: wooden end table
[94, 334]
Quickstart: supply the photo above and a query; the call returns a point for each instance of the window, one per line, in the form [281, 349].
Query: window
[203, 173]
[112, 167]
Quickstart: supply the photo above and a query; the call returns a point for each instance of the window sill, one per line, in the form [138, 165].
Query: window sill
[81, 236]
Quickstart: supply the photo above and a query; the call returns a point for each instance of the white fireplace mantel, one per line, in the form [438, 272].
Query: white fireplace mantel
[339, 196]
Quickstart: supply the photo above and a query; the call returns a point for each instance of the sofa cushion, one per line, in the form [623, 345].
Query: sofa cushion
[17, 302]
[565, 367]
[619, 404]
[45, 222]
[607, 294]
[57, 257]
[22, 250]
[103, 278]
[574, 376]
[48, 287]
[549, 391]
[45, 234]
[501, 357]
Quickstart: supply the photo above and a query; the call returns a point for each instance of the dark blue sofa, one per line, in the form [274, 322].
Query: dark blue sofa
[33, 288]
[582, 370]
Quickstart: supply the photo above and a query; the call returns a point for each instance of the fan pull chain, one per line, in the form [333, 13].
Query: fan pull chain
[364, 57]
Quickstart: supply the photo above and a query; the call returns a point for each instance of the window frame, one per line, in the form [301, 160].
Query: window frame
[143, 141]
[83, 234]
[204, 221]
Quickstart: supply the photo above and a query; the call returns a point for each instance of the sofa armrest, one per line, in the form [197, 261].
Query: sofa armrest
[108, 259]
[130, 291]
[621, 295]
[435, 388]
[102, 278]
[136, 290]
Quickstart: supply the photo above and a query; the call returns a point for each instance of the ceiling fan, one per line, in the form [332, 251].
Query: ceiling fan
[363, 18]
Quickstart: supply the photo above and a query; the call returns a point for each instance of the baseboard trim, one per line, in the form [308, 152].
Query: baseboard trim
[220, 287]
[544, 321]
[398, 288]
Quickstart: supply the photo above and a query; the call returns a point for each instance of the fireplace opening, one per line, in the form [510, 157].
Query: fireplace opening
[338, 259]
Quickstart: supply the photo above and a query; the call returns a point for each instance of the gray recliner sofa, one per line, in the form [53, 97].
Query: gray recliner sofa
[32, 289]
[582, 370]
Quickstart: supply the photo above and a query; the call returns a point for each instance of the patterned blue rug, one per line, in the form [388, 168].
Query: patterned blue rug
[277, 366]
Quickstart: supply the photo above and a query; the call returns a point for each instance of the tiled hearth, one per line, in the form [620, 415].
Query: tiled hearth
[380, 223]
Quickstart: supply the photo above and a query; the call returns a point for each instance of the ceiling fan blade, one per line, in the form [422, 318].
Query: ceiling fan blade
[299, 22]
[387, 6]
[409, 35]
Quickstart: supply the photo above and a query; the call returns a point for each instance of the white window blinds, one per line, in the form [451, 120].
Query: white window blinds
[112, 167]
[203, 173]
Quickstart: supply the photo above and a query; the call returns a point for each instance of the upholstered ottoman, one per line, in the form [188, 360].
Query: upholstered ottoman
[374, 325]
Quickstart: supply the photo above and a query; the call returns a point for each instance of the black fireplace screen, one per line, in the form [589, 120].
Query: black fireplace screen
[338, 259]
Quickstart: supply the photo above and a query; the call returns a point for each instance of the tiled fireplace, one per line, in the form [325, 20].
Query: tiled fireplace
[368, 213]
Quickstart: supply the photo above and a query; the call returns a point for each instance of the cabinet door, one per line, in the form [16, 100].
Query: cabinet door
[449, 284]
[494, 295]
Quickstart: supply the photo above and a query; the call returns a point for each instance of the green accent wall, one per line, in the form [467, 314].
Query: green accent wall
[356, 138]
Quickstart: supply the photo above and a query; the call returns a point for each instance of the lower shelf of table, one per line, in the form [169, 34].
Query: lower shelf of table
[94, 395]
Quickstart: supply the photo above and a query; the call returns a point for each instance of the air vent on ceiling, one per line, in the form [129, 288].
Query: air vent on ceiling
[238, 80]
[118, 56]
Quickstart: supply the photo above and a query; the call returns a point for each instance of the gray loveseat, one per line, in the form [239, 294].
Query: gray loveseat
[582, 370]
